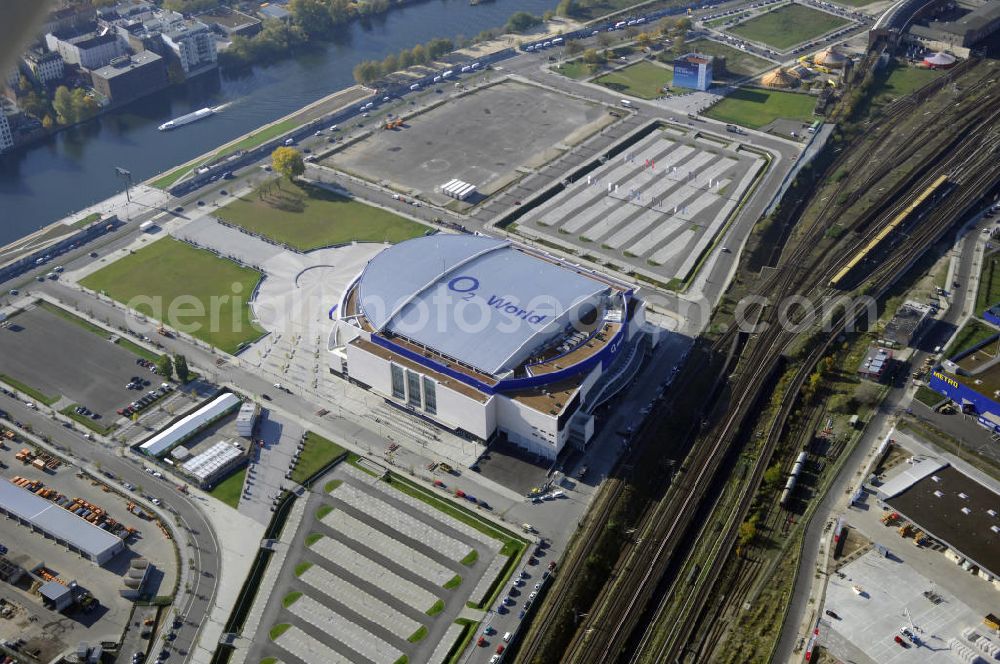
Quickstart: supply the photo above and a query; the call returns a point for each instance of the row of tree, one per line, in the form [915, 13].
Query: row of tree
[369, 71]
[168, 367]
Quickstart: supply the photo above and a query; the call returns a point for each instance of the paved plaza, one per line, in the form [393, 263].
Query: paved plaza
[658, 205]
[482, 138]
[892, 598]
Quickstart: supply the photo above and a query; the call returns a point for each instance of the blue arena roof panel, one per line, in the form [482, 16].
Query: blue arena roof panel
[476, 299]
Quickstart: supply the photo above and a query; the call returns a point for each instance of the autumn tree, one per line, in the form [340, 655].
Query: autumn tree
[288, 162]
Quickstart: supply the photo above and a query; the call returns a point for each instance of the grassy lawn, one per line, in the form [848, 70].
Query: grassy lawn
[738, 63]
[787, 26]
[29, 390]
[904, 80]
[317, 454]
[989, 284]
[190, 289]
[133, 348]
[927, 396]
[167, 180]
[309, 218]
[260, 137]
[229, 489]
[643, 79]
[86, 421]
[576, 69]
[755, 108]
[972, 333]
[86, 221]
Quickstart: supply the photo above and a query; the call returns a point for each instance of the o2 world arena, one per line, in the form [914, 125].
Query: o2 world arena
[489, 338]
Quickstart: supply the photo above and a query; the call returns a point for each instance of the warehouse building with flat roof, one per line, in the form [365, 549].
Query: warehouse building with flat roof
[73, 532]
[486, 337]
[952, 508]
[191, 424]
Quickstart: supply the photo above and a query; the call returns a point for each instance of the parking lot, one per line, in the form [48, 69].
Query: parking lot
[656, 206]
[58, 631]
[375, 575]
[63, 361]
[892, 598]
[481, 138]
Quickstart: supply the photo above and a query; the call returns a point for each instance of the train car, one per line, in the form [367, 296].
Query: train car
[896, 222]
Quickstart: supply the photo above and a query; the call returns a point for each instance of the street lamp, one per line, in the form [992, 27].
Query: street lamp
[127, 177]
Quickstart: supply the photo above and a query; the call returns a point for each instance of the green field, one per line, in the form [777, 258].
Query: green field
[855, 3]
[787, 26]
[229, 489]
[576, 69]
[989, 284]
[927, 396]
[317, 453]
[904, 80]
[755, 108]
[86, 221]
[192, 290]
[643, 79]
[738, 63]
[307, 217]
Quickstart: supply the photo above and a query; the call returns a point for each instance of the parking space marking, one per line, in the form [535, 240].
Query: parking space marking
[343, 630]
[358, 600]
[355, 530]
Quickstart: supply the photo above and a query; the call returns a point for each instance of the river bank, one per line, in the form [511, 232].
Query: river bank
[63, 174]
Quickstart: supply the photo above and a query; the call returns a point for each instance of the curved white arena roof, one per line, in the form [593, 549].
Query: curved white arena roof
[476, 299]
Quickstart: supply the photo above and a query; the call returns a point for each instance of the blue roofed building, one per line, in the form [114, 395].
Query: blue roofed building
[489, 338]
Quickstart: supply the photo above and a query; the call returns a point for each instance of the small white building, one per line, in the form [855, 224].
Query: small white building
[458, 189]
[247, 418]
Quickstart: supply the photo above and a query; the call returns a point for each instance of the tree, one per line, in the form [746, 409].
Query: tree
[367, 72]
[405, 59]
[181, 368]
[47, 121]
[773, 474]
[390, 64]
[419, 54]
[165, 367]
[288, 162]
[679, 44]
[313, 16]
[521, 22]
[573, 47]
[683, 24]
[63, 105]
[592, 57]
[644, 39]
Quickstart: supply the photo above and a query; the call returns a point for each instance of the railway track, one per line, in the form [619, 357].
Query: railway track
[976, 173]
[620, 618]
[612, 621]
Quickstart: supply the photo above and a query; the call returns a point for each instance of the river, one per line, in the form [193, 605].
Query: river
[52, 178]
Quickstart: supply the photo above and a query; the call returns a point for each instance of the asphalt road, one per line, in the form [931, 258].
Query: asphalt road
[203, 549]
